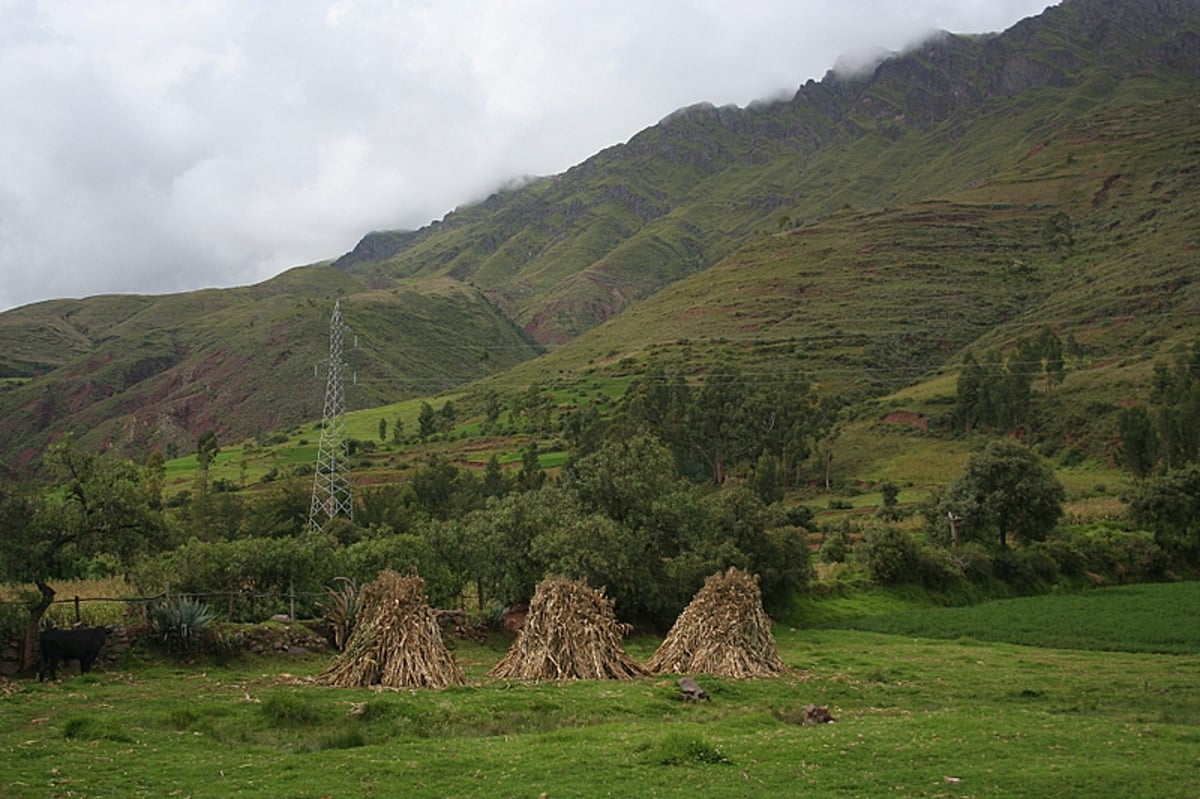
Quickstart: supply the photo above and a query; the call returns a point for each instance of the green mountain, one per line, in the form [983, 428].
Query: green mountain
[867, 232]
[562, 254]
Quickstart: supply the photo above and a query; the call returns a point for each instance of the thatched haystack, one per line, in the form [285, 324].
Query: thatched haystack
[723, 631]
[570, 633]
[396, 643]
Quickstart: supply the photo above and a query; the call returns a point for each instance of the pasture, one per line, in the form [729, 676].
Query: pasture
[975, 707]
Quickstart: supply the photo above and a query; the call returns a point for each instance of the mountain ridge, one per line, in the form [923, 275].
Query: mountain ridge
[960, 121]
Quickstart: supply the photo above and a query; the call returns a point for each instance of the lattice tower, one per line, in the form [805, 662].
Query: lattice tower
[331, 483]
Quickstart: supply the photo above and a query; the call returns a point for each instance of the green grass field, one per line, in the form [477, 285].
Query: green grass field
[921, 711]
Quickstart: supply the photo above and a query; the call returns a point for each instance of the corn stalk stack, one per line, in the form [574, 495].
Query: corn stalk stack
[570, 633]
[396, 643]
[723, 631]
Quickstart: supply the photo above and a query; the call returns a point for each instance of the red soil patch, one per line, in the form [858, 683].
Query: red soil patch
[905, 417]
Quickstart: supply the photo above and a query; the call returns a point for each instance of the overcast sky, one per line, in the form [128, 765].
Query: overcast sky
[150, 146]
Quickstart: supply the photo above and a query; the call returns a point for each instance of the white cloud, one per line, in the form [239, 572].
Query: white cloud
[151, 147]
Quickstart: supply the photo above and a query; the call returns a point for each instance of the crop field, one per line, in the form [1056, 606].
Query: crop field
[922, 711]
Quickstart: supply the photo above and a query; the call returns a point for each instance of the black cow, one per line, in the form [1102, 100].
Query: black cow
[82, 644]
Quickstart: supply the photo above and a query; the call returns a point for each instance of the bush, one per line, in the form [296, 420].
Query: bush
[256, 573]
[836, 546]
[975, 562]
[938, 567]
[1026, 569]
[14, 616]
[1121, 554]
[891, 555]
[783, 564]
[1066, 554]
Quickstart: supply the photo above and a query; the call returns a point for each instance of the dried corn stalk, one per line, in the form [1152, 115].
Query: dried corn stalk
[723, 631]
[396, 642]
[570, 633]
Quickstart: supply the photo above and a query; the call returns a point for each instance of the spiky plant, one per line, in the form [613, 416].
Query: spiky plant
[179, 623]
[341, 608]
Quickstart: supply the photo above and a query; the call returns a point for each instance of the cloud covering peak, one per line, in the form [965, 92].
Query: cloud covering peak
[151, 147]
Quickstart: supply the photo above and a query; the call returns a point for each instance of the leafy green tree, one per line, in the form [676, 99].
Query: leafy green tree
[1051, 350]
[1058, 232]
[493, 406]
[970, 388]
[498, 541]
[532, 476]
[889, 508]
[1005, 490]
[447, 416]
[717, 423]
[495, 483]
[602, 552]
[395, 506]
[891, 554]
[207, 449]
[443, 490]
[624, 479]
[1139, 447]
[768, 478]
[96, 503]
[1170, 506]
[426, 421]
[383, 429]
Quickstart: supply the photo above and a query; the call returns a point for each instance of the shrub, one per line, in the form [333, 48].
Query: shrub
[891, 555]
[1122, 554]
[1026, 568]
[975, 562]
[836, 546]
[938, 567]
[14, 616]
[1066, 554]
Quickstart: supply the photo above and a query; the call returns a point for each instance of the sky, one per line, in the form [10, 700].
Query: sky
[151, 147]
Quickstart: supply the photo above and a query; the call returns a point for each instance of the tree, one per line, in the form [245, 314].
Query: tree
[1005, 490]
[495, 483]
[1051, 347]
[96, 504]
[1170, 506]
[382, 429]
[1139, 441]
[447, 417]
[426, 421]
[971, 381]
[531, 477]
[717, 420]
[207, 449]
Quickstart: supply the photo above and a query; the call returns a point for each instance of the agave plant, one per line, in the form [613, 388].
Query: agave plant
[341, 608]
[179, 622]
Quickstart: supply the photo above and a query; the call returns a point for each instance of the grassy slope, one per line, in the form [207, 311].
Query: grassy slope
[155, 371]
[917, 716]
[881, 304]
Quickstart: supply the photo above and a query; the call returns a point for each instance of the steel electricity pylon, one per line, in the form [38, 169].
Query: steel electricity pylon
[331, 483]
